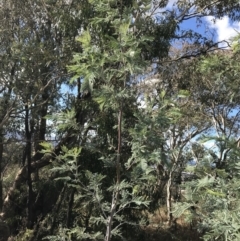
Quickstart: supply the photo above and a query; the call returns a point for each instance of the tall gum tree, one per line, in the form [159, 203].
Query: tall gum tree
[36, 48]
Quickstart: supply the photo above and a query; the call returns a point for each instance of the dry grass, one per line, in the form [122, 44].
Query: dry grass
[158, 230]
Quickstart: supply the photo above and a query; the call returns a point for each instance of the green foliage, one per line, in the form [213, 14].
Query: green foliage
[74, 233]
[110, 159]
[111, 57]
[64, 120]
[25, 235]
[213, 201]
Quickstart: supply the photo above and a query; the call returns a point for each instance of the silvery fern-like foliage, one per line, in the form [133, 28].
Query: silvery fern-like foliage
[213, 203]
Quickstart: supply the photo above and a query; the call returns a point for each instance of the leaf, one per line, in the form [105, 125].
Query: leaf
[180, 208]
[101, 101]
[62, 178]
[47, 147]
[218, 194]
[205, 181]
[123, 28]
[162, 94]
[85, 39]
[87, 84]
[64, 149]
[183, 93]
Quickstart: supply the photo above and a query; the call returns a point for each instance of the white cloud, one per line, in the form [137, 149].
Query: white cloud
[224, 29]
[171, 3]
[209, 144]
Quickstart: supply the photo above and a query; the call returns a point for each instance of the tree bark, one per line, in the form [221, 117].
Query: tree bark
[28, 131]
[169, 199]
[70, 205]
[1, 174]
[56, 208]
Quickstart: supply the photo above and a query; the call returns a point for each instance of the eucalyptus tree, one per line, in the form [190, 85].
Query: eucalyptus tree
[36, 46]
[211, 83]
[214, 195]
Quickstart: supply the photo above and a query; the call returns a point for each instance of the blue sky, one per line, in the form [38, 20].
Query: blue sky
[223, 29]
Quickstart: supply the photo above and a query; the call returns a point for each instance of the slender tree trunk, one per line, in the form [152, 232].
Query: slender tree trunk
[169, 199]
[1, 174]
[115, 197]
[28, 130]
[40, 134]
[56, 208]
[3, 119]
[70, 205]
[41, 130]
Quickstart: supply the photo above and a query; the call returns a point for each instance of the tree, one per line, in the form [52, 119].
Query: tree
[110, 84]
[110, 159]
[217, 168]
[34, 67]
[111, 60]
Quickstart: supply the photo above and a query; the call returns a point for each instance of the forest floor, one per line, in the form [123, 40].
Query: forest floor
[157, 230]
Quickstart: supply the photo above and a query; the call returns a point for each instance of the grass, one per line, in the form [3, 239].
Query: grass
[158, 230]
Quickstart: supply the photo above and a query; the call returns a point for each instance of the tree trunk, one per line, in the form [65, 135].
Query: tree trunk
[57, 208]
[1, 174]
[169, 199]
[115, 197]
[70, 205]
[4, 231]
[40, 133]
[28, 151]
[41, 130]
